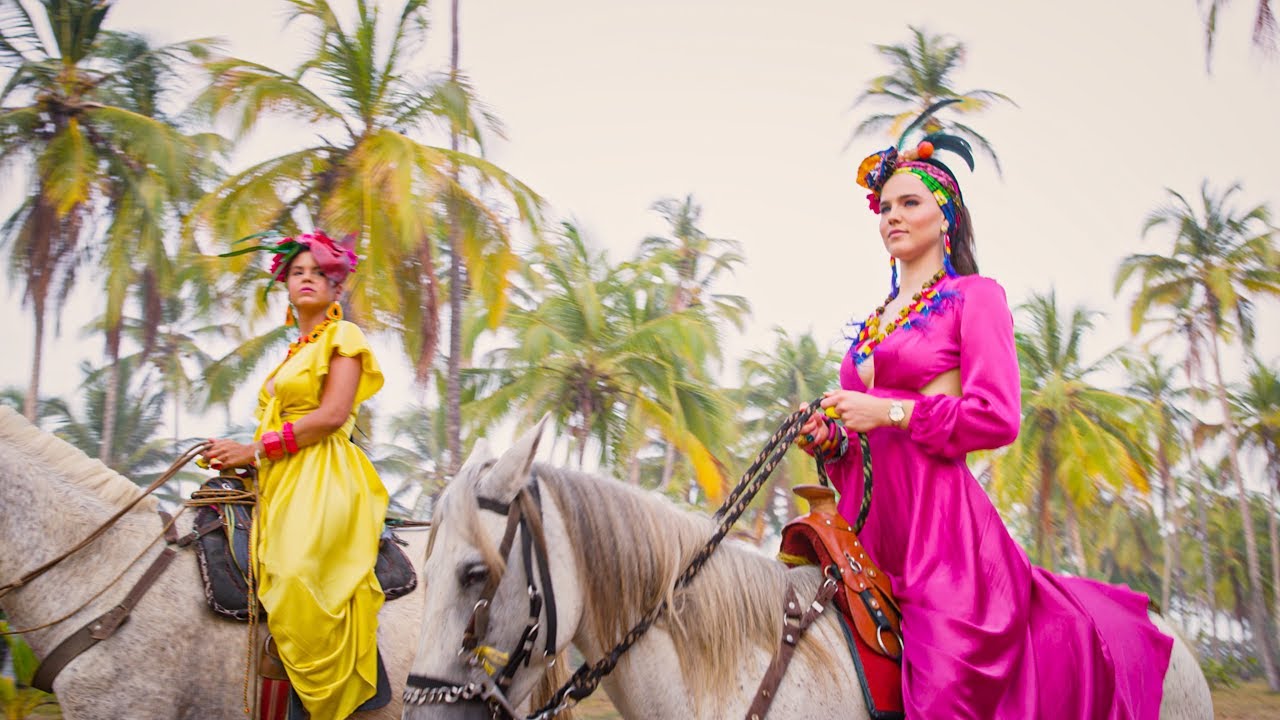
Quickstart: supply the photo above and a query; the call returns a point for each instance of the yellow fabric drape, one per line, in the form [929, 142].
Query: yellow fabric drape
[320, 516]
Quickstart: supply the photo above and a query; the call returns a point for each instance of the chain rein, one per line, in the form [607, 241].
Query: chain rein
[524, 512]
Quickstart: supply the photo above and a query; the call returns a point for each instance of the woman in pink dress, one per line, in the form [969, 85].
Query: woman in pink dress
[931, 376]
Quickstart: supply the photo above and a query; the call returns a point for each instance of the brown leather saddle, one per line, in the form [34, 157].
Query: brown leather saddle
[223, 552]
[867, 606]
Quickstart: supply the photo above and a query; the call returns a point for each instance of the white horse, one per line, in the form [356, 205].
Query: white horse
[174, 658]
[614, 552]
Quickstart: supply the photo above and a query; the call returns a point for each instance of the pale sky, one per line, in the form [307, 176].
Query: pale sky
[612, 105]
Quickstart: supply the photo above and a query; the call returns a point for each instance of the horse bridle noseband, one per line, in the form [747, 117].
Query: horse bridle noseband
[523, 513]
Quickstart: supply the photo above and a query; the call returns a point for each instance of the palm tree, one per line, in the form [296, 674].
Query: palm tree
[774, 384]
[594, 352]
[139, 418]
[690, 262]
[73, 128]
[693, 261]
[921, 75]
[1264, 27]
[1257, 407]
[173, 336]
[86, 141]
[1222, 258]
[1074, 435]
[367, 173]
[413, 457]
[1163, 421]
[144, 203]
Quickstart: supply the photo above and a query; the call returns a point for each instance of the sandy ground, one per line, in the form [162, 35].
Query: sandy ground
[1247, 702]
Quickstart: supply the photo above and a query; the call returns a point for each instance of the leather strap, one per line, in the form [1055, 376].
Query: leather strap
[106, 525]
[793, 628]
[105, 625]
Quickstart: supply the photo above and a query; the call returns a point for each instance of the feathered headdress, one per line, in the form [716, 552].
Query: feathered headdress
[336, 260]
[878, 167]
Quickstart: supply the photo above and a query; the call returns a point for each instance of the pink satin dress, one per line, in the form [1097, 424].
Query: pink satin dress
[986, 633]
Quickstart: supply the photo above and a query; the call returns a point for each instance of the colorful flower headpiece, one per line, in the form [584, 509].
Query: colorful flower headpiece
[336, 260]
[877, 168]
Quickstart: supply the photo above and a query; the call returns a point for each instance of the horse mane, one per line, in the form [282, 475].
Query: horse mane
[732, 607]
[70, 462]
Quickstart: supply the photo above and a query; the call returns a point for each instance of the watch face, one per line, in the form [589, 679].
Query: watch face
[896, 413]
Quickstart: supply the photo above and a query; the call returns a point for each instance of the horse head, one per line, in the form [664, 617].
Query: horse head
[500, 586]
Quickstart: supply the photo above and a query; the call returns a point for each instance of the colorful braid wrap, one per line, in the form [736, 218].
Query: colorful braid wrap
[876, 170]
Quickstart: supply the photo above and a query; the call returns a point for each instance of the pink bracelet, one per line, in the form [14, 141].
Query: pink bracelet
[290, 442]
[273, 445]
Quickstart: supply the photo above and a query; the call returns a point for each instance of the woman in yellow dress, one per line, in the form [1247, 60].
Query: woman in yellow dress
[321, 505]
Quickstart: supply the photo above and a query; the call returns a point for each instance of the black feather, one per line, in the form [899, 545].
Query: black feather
[954, 144]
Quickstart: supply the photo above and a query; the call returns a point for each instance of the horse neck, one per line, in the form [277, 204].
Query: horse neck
[46, 515]
[630, 546]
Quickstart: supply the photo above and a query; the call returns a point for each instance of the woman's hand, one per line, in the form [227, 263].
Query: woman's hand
[858, 411]
[229, 454]
[814, 430]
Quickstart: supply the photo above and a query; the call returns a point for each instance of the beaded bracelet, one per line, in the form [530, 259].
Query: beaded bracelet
[290, 442]
[273, 445]
[832, 447]
[836, 444]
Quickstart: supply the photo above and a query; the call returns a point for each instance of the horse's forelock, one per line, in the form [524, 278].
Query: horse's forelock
[459, 504]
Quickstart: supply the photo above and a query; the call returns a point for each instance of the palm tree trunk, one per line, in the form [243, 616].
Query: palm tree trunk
[1273, 521]
[175, 420]
[1206, 559]
[453, 379]
[1191, 367]
[668, 467]
[1046, 485]
[1077, 542]
[1168, 523]
[1257, 606]
[107, 449]
[33, 386]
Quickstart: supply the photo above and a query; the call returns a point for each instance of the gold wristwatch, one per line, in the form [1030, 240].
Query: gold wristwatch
[897, 413]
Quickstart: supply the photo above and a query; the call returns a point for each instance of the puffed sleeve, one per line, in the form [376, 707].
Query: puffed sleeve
[988, 411]
[348, 340]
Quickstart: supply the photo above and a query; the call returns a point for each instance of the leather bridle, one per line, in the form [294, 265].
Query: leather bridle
[524, 514]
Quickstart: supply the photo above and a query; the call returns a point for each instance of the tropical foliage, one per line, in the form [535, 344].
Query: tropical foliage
[1156, 467]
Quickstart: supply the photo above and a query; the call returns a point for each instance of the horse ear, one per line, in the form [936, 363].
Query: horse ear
[480, 454]
[511, 471]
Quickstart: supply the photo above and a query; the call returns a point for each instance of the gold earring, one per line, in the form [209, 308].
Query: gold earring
[334, 312]
[289, 319]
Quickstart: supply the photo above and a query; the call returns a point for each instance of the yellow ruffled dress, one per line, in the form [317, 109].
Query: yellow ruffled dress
[320, 515]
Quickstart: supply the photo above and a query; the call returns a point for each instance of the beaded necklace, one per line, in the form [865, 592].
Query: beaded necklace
[922, 303]
[333, 314]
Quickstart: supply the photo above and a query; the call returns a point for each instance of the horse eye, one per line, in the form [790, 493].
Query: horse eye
[473, 574]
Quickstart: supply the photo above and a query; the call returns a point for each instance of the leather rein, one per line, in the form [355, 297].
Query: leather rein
[105, 625]
[524, 514]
